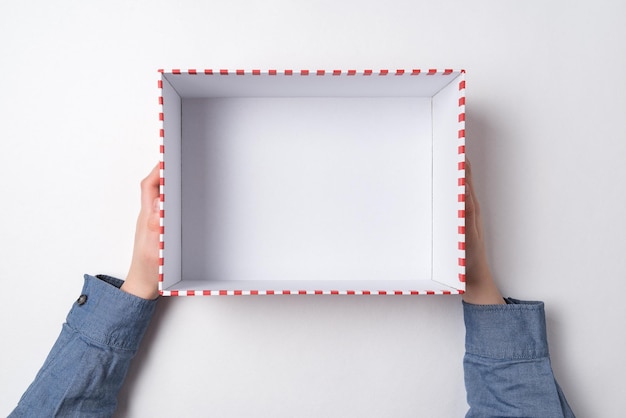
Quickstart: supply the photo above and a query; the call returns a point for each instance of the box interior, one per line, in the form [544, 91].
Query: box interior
[292, 182]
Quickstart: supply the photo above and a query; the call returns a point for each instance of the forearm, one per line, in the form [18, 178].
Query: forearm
[89, 361]
[507, 363]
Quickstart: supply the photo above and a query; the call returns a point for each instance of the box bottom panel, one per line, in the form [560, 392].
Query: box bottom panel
[295, 287]
[303, 188]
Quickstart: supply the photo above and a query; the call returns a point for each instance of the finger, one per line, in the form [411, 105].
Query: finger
[475, 212]
[469, 181]
[150, 188]
[154, 217]
[472, 207]
[470, 210]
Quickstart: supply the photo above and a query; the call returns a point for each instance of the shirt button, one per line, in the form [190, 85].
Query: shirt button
[82, 299]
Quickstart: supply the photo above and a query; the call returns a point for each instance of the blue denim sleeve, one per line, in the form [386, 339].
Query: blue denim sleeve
[507, 363]
[88, 363]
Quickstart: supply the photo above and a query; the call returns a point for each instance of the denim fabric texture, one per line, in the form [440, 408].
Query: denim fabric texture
[507, 362]
[88, 363]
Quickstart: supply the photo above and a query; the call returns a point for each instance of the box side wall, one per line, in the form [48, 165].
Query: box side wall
[449, 184]
[171, 251]
[240, 83]
[309, 287]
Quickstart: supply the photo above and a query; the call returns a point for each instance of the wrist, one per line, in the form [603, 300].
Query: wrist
[481, 289]
[141, 284]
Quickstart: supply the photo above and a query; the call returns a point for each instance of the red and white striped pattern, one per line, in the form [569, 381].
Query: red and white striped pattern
[366, 72]
[305, 292]
[461, 181]
[161, 184]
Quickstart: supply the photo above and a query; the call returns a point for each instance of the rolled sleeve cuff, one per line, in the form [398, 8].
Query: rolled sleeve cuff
[106, 315]
[516, 330]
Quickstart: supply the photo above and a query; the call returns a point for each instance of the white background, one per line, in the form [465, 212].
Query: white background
[546, 102]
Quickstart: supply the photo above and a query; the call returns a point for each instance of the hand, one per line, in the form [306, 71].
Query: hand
[143, 275]
[480, 288]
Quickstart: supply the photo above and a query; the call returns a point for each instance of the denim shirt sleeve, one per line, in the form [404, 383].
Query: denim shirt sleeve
[88, 363]
[507, 363]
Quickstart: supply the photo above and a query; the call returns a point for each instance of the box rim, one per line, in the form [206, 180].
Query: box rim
[320, 72]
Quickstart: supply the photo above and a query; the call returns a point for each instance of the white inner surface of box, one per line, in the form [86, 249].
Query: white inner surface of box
[292, 182]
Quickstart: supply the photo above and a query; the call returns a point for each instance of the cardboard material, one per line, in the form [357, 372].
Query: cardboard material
[312, 182]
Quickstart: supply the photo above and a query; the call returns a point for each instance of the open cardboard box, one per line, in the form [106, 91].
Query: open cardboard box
[312, 182]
